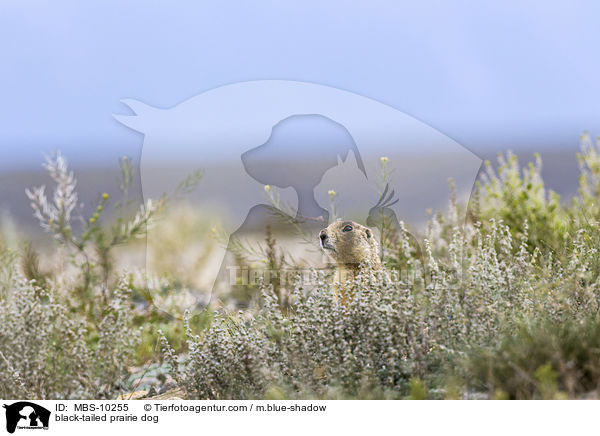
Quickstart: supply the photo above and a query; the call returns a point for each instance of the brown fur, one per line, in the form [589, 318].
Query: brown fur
[350, 249]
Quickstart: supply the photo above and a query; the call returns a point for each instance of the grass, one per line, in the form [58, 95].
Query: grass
[505, 306]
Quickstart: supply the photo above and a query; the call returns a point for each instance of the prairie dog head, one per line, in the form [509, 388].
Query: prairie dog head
[350, 243]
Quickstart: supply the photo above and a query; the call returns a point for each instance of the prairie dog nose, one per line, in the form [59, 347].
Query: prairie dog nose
[323, 235]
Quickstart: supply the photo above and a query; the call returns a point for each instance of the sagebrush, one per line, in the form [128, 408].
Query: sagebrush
[505, 305]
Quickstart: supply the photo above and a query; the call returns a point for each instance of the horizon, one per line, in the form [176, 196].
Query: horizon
[491, 77]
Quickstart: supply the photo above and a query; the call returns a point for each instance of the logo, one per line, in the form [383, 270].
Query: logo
[26, 415]
[328, 152]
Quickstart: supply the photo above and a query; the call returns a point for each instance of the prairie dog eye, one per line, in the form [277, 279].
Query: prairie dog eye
[348, 228]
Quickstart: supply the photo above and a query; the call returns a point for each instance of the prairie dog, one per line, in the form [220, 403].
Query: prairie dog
[351, 245]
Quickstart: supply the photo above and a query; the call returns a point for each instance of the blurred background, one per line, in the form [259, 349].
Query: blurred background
[491, 77]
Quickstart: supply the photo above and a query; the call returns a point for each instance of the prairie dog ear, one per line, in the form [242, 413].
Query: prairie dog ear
[368, 232]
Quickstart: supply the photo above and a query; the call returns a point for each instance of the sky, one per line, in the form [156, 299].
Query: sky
[490, 75]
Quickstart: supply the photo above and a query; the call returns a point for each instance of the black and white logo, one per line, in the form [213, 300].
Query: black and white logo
[26, 415]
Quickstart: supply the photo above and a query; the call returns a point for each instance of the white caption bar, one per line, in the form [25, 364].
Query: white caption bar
[297, 417]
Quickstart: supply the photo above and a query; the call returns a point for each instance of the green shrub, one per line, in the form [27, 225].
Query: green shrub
[505, 306]
[48, 352]
[316, 347]
[77, 334]
[541, 359]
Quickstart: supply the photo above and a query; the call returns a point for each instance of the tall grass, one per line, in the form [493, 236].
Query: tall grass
[76, 335]
[505, 306]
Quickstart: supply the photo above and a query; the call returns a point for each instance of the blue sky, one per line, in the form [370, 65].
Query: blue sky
[491, 75]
